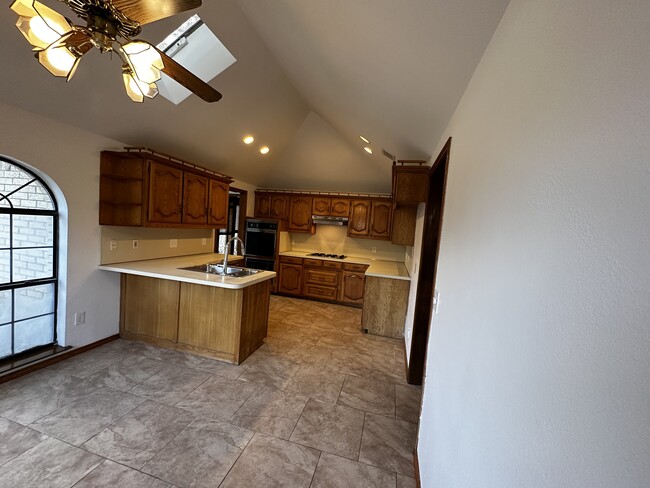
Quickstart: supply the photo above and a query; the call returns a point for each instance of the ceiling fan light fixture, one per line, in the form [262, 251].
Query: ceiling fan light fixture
[136, 89]
[58, 60]
[40, 25]
[145, 60]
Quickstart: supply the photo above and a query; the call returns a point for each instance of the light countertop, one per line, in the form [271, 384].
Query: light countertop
[376, 267]
[167, 269]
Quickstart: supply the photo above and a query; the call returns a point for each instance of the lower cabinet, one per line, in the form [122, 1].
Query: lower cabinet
[290, 282]
[322, 280]
[223, 323]
[387, 301]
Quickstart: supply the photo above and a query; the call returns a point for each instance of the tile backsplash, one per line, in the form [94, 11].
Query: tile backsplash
[334, 240]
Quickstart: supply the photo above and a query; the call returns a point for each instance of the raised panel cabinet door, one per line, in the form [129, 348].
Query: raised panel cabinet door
[300, 214]
[321, 206]
[290, 279]
[165, 194]
[279, 207]
[262, 205]
[195, 199]
[380, 220]
[359, 223]
[353, 287]
[218, 204]
[340, 207]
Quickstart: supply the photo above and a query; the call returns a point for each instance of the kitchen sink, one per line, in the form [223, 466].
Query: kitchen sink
[217, 269]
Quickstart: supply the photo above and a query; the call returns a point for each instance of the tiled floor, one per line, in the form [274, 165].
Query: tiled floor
[319, 405]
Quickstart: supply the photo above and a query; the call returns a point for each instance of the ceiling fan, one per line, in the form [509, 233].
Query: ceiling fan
[110, 27]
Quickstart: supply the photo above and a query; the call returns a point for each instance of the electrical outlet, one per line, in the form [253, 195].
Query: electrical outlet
[113, 245]
[173, 242]
[80, 318]
[374, 250]
[204, 241]
[134, 244]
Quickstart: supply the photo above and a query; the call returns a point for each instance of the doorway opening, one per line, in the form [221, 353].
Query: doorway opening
[428, 265]
[237, 201]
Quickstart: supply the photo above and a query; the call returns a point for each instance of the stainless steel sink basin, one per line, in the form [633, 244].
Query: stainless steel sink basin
[217, 269]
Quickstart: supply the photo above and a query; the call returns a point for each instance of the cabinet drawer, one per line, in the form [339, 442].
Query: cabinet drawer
[318, 291]
[360, 268]
[314, 263]
[290, 260]
[322, 277]
[332, 265]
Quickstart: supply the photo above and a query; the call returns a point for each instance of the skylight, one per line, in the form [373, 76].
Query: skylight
[196, 48]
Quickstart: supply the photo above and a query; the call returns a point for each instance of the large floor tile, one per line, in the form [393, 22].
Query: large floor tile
[337, 472]
[388, 443]
[368, 395]
[15, 439]
[317, 383]
[407, 402]
[139, 435]
[350, 361]
[113, 475]
[34, 396]
[332, 428]
[79, 421]
[171, 384]
[271, 371]
[405, 481]
[166, 355]
[127, 373]
[221, 368]
[218, 397]
[272, 462]
[90, 362]
[271, 411]
[201, 455]
[51, 464]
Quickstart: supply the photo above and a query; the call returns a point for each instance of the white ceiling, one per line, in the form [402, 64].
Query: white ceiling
[310, 77]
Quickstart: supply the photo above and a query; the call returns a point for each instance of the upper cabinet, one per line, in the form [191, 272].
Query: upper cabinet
[300, 214]
[321, 206]
[380, 219]
[165, 194]
[262, 205]
[195, 199]
[143, 188]
[410, 188]
[359, 223]
[340, 207]
[279, 207]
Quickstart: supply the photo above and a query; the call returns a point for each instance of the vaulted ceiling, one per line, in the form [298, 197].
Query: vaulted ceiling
[310, 77]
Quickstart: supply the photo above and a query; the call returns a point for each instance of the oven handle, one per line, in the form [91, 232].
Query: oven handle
[262, 231]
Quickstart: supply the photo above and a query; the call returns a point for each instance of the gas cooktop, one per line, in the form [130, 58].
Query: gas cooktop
[323, 255]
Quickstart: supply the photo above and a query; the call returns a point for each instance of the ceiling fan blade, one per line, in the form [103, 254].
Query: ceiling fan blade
[188, 79]
[147, 11]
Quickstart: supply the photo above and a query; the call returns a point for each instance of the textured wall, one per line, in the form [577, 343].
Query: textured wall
[538, 363]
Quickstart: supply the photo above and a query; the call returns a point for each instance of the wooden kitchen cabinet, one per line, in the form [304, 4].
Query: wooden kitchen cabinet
[385, 311]
[359, 223]
[290, 282]
[410, 183]
[262, 205]
[195, 198]
[165, 194]
[340, 207]
[144, 189]
[352, 287]
[380, 219]
[403, 229]
[218, 204]
[279, 207]
[320, 281]
[300, 214]
[321, 206]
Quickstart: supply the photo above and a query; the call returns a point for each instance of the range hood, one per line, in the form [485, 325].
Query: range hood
[320, 219]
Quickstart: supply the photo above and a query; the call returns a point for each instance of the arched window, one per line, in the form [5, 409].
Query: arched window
[28, 261]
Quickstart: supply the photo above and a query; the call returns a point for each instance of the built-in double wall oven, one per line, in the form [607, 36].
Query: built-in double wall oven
[261, 243]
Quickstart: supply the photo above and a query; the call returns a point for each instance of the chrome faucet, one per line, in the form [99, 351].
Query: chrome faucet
[225, 256]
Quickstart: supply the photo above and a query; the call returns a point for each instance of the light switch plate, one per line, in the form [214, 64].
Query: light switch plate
[173, 242]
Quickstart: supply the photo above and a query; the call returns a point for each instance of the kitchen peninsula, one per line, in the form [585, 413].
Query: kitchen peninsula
[222, 317]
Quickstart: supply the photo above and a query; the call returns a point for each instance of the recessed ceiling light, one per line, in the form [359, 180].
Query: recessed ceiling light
[364, 139]
[264, 149]
[368, 150]
[249, 140]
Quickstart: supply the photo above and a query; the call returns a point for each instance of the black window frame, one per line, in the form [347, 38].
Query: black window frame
[54, 279]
